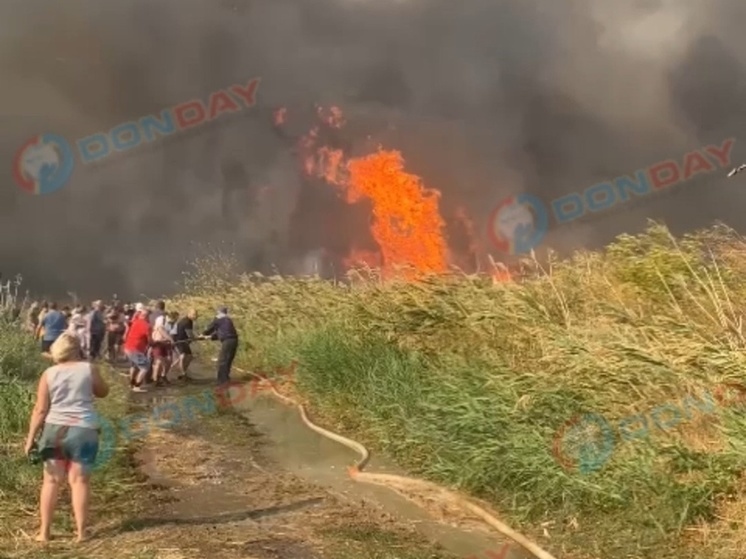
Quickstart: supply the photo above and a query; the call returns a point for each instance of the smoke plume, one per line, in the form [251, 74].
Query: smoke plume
[485, 98]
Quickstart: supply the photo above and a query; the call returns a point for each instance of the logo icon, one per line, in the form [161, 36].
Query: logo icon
[585, 441]
[43, 164]
[518, 224]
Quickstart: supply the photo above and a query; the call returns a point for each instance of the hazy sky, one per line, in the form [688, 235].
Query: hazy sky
[485, 98]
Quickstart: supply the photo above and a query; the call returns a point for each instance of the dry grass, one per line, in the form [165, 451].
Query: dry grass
[467, 381]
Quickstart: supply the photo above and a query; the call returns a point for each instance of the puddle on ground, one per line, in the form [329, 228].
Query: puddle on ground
[320, 460]
[323, 462]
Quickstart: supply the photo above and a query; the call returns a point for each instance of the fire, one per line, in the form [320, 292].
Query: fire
[501, 275]
[406, 222]
[363, 258]
[500, 272]
[406, 225]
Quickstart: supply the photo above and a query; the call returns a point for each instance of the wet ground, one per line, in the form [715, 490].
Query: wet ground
[255, 482]
[266, 449]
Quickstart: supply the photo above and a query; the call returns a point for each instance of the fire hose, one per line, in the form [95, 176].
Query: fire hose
[387, 480]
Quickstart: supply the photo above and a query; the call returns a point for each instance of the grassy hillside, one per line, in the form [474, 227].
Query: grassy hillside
[476, 385]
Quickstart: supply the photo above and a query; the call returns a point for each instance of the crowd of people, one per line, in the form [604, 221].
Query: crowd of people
[64, 427]
[153, 341]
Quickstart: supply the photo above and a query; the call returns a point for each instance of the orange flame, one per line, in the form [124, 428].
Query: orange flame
[363, 258]
[500, 272]
[407, 225]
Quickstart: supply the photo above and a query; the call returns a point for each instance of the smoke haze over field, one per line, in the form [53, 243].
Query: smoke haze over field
[485, 98]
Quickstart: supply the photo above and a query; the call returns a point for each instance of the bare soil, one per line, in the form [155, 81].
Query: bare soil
[208, 490]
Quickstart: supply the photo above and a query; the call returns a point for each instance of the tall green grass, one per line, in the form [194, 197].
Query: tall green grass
[467, 382]
[20, 365]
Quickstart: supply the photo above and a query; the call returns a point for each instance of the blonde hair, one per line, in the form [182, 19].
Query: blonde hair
[65, 348]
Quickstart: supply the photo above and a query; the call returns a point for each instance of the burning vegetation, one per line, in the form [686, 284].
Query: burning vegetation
[405, 221]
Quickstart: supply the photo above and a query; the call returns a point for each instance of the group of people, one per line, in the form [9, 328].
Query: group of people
[63, 428]
[152, 340]
[94, 327]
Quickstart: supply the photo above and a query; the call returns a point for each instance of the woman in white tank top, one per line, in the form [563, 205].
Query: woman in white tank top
[65, 417]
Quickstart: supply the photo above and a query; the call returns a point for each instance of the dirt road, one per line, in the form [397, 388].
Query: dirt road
[209, 490]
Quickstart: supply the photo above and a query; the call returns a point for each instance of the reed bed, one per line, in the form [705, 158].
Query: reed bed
[467, 381]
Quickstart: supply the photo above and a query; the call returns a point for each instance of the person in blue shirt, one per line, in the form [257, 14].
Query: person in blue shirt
[51, 327]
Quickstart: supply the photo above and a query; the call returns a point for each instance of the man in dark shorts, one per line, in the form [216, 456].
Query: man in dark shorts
[182, 340]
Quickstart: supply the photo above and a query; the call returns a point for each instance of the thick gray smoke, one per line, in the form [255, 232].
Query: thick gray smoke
[486, 98]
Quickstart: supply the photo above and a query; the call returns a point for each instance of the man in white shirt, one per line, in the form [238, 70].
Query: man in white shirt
[162, 345]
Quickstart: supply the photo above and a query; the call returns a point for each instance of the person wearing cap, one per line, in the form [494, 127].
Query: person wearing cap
[223, 330]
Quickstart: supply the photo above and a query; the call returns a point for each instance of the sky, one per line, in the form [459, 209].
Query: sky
[485, 99]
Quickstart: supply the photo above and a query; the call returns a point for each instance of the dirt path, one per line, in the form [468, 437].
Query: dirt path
[210, 491]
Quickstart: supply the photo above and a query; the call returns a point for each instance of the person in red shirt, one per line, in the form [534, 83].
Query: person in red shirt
[136, 344]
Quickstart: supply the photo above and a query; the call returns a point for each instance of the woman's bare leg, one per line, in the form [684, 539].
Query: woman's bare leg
[167, 364]
[81, 492]
[157, 369]
[54, 476]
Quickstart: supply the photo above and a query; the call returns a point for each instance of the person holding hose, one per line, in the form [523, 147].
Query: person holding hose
[223, 330]
[136, 344]
[182, 340]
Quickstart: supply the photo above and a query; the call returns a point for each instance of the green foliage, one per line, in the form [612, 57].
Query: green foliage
[467, 382]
